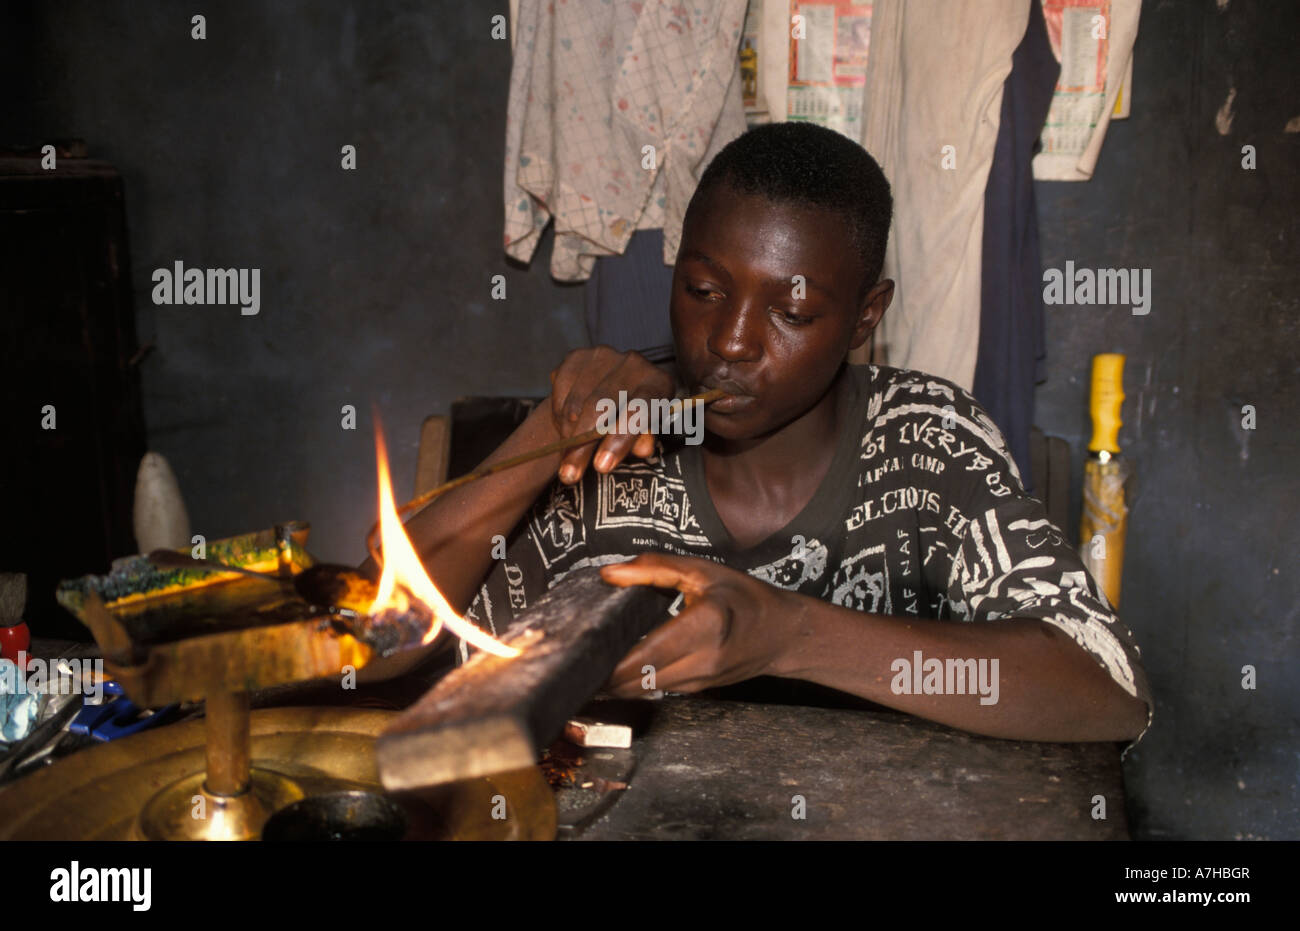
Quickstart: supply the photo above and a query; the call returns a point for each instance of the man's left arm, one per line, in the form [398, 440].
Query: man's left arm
[1029, 681]
[734, 627]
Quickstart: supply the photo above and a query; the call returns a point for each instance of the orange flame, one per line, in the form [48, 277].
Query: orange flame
[404, 574]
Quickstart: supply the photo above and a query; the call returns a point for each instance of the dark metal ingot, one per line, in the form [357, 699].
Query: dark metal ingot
[389, 631]
[495, 714]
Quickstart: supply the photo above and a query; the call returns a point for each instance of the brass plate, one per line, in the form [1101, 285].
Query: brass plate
[98, 793]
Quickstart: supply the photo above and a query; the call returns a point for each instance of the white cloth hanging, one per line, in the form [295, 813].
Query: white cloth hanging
[934, 79]
[615, 109]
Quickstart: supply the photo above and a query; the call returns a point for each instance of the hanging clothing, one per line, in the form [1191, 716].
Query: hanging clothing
[934, 80]
[614, 111]
[1012, 349]
[627, 296]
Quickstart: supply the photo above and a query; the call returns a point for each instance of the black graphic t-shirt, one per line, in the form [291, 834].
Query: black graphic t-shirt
[921, 513]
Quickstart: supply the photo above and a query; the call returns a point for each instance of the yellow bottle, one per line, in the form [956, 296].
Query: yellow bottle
[1105, 512]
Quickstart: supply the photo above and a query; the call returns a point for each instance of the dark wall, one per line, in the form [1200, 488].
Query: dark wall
[1210, 581]
[375, 282]
[376, 289]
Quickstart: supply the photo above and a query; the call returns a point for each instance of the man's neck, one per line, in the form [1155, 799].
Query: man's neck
[783, 455]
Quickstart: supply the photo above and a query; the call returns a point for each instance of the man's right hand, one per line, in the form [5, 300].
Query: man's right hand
[585, 377]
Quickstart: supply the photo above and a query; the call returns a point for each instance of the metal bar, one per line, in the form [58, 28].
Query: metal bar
[494, 714]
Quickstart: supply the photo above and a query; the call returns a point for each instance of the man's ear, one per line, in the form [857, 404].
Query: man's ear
[873, 308]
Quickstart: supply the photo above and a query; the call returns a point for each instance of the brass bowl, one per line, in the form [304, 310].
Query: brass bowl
[102, 792]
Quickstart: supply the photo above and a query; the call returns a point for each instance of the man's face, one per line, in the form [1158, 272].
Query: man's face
[741, 324]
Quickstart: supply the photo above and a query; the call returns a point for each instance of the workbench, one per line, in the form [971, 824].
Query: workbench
[714, 768]
[709, 769]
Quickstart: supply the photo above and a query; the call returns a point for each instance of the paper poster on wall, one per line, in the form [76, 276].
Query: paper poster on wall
[1125, 97]
[829, 42]
[752, 58]
[1077, 30]
[1093, 41]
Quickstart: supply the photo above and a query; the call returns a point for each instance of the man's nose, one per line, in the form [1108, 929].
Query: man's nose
[734, 336]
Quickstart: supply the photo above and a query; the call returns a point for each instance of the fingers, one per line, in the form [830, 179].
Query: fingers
[605, 454]
[688, 675]
[574, 462]
[688, 575]
[644, 446]
[573, 385]
[583, 391]
[682, 650]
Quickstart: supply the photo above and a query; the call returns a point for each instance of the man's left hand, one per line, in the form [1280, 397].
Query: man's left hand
[732, 626]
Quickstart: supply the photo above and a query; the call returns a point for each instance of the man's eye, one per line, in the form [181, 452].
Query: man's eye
[700, 292]
[796, 319]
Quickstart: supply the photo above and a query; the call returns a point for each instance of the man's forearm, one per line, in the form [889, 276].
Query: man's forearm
[1048, 688]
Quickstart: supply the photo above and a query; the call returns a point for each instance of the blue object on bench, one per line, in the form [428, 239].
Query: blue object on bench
[117, 716]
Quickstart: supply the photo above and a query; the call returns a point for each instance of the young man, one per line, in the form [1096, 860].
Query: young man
[844, 525]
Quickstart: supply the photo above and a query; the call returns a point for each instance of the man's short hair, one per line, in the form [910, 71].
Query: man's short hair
[809, 165]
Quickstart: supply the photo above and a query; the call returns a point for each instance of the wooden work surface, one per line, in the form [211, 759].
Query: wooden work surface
[726, 770]
[709, 769]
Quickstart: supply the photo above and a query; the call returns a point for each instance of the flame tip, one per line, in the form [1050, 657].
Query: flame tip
[401, 566]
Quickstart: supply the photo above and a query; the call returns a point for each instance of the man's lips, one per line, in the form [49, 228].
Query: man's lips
[734, 389]
[738, 395]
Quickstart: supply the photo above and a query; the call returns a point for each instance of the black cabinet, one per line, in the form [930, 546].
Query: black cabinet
[67, 349]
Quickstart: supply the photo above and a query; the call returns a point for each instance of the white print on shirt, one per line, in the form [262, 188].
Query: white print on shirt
[956, 522]
[905, 550]
[792, 571]
[872, 446]
[1095, 634]
[483, 603]
[930, 433]
[935, 542]
[871, 476]
[910, 601]
[638, 495]
[1026, 589]
[993, 565]
[666, 545]
[559, 530]
[905, 571]
[915, 386]
[994, 481]
[1038, 532]
[897, 499]
[928, 463]
[515, 586]
[933, 436]
[855, 585]
[1037, 585]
